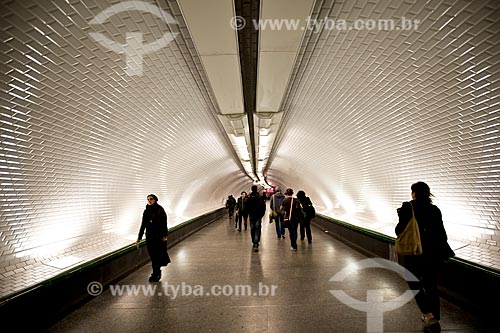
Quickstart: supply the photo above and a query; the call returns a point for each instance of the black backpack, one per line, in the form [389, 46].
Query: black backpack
[311, 211]
[309, 208]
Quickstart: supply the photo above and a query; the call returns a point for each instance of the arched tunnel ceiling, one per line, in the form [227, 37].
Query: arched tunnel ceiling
[354, 118]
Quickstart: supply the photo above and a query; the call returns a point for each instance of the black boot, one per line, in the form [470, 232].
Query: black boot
[156, 275]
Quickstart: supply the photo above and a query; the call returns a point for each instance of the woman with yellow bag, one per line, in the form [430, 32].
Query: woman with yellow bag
[425, 263]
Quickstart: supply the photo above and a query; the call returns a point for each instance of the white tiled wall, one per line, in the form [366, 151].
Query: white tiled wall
[83, 143]
[371, 112]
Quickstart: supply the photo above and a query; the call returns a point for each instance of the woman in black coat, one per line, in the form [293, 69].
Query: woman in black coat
[305, 224]
[435, 250]
[154, 221]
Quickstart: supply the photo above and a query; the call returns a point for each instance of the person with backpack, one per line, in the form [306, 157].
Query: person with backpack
[154, 222]
[230, 203]
[310, 212]
[256, 208]
[275, 204]
[292, 216]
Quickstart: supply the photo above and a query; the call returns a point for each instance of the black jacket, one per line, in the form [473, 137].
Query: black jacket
[241, 205]
[154, 221]
[430, 224]
[297, 212]
[230, 202]
[256, 206]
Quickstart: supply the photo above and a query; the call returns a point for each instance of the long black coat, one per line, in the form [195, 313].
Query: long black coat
[154, 222]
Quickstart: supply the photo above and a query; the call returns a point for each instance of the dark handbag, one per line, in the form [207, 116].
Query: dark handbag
[312, 211]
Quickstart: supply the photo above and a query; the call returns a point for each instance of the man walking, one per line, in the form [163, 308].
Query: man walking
[230, 203]
[241, 208]
[293, 215]
[275, 204]
[256, 208]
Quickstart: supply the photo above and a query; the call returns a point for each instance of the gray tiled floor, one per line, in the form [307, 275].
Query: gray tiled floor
[219, 255]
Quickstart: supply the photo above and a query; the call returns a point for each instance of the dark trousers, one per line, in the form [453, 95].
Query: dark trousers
[255, 231]
[243, 217]
[280, 228]
[426, 271]
[292, 229]
[305, 229]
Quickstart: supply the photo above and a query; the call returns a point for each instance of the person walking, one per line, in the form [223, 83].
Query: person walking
[154, 222]
[230, 203]
[241, 209]
[275, 204]
[435, 250]
[292, 216]
[256, 208]
[305, 224]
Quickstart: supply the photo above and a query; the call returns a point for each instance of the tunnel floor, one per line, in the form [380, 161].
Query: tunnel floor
[217, 283]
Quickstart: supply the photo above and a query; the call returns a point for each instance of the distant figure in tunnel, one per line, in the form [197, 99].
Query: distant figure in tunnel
[292, 216]
[256, 207]
[241, 208]
[154, 221]
[435, 250]
[310, 212]
[230, 203]
[275, 204]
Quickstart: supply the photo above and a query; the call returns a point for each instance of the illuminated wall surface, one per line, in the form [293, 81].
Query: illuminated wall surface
[364, 115]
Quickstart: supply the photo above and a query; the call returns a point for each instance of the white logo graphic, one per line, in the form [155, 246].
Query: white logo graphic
[374, 305]
[94, 288]
[134, 48]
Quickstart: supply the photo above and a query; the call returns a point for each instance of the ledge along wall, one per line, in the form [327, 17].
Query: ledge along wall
[40, 306]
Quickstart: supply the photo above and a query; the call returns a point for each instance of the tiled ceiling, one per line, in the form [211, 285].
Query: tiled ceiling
[87, 133]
